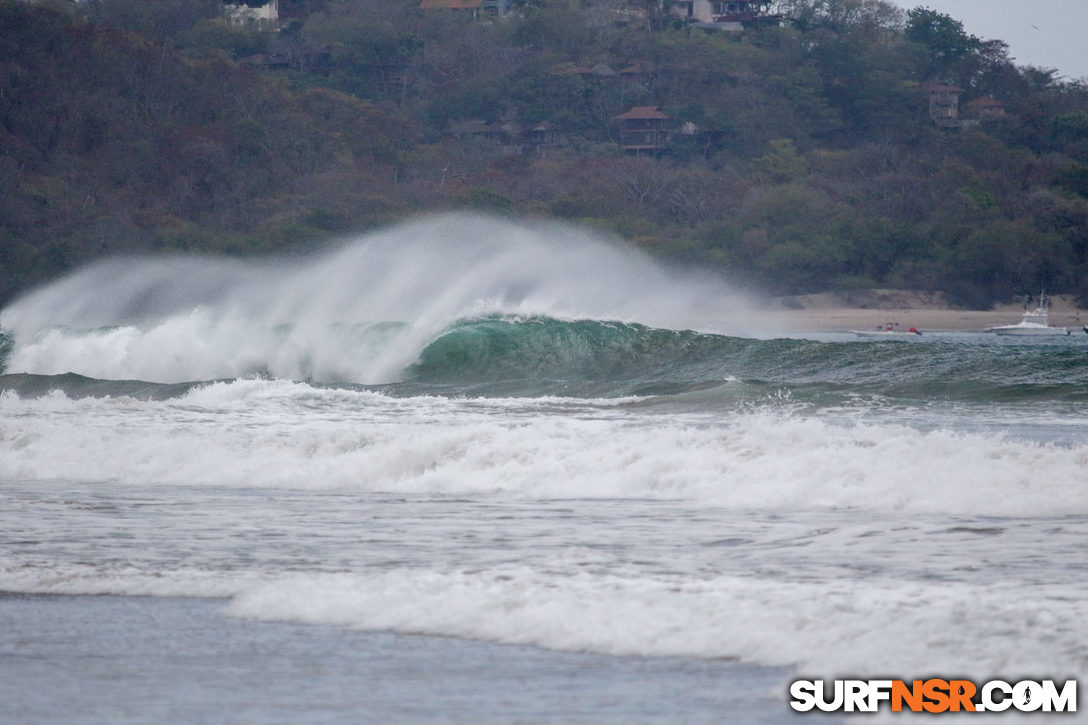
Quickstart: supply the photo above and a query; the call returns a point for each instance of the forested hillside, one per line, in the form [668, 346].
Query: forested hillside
[802, 156]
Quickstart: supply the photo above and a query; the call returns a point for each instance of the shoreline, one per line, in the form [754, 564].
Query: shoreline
[835, 313]
[184, 659]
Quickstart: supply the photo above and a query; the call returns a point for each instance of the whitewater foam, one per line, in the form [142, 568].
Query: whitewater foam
[840, 627]
[268, 434]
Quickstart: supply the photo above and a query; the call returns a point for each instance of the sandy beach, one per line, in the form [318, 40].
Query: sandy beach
[860, 311]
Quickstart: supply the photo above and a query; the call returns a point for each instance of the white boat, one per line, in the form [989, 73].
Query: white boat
[1034, 322]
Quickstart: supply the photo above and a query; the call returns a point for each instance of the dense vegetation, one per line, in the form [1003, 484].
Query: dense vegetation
[810, 160]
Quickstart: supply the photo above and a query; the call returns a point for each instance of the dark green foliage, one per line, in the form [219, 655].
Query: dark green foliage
[943, 37]
[159, 21]
[803, 157]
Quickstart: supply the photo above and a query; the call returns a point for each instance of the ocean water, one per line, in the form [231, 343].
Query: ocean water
[514, 473]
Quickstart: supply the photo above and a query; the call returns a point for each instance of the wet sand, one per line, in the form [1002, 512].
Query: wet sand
[107, 659]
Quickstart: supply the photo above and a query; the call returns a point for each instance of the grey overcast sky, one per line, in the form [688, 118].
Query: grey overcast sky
[1045, 33]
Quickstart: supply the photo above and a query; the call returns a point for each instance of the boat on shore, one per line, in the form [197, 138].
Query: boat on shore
[1034, 322]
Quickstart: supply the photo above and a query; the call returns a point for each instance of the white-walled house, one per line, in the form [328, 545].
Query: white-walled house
[728, 14]
[253, 12]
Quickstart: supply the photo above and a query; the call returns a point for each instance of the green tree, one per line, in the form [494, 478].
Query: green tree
[160, 21]
[840, 14]
[951, 49]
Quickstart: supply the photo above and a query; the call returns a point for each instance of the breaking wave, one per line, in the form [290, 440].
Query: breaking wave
[361, 313]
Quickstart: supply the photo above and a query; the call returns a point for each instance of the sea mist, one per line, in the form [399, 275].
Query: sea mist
[360, 312]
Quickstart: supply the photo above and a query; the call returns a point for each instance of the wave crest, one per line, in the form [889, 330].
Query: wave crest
[360, 313]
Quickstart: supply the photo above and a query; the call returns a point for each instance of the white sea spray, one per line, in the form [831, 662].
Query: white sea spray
[360, 312]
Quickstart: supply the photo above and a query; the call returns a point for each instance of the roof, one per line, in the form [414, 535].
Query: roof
[450, 4]
[643, 113]
[937, 87]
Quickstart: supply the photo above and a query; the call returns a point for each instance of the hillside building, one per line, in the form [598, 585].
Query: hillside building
[263, 12]
[490, 7]
[644, 129]
[944, 103]
[732, 15]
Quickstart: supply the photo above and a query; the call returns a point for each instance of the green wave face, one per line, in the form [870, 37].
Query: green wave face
[498, 349]
[75, 386]
[541, 356]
